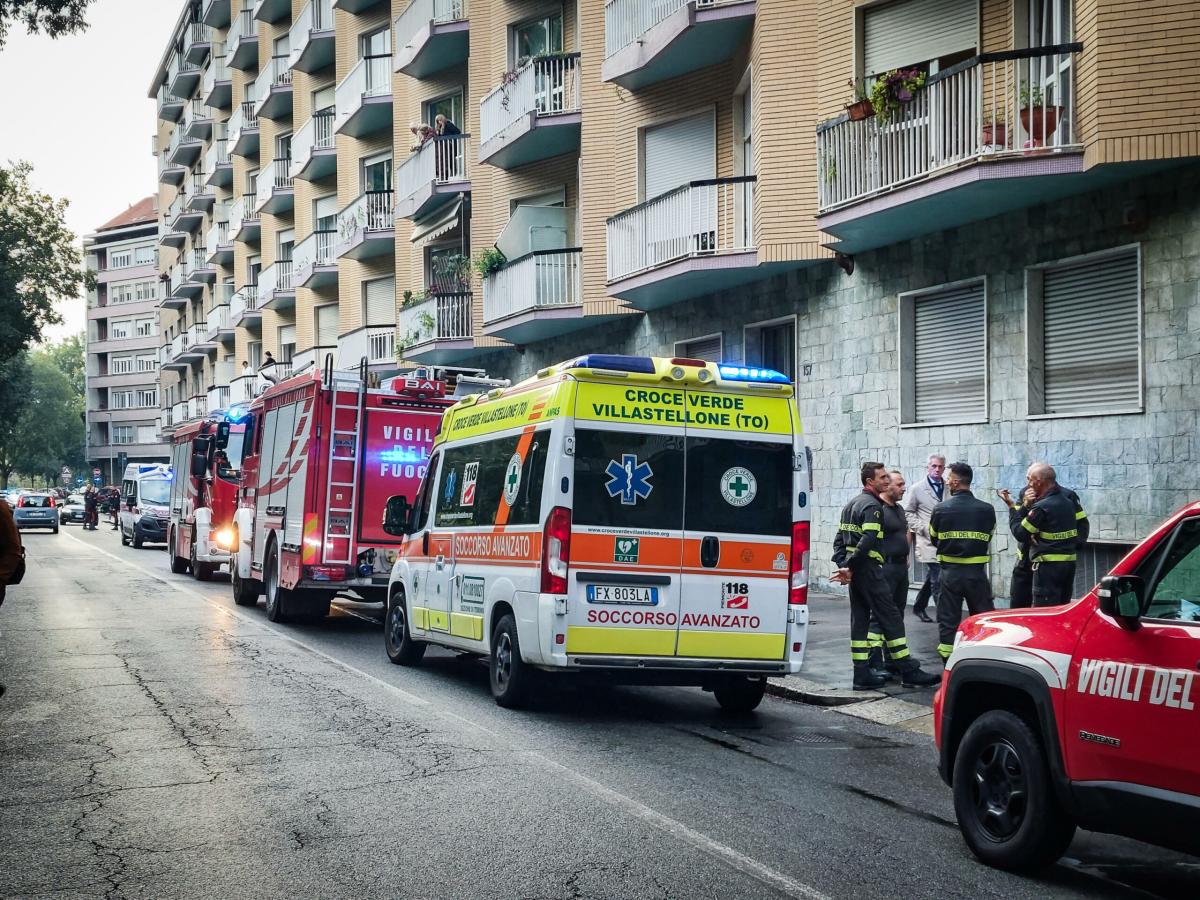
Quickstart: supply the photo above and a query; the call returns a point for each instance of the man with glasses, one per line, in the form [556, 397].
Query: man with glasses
[924, 496]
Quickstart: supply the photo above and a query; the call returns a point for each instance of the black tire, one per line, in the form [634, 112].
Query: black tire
[55, 531]
[124, 538]
[137, 539]
[508, 674]
[397, 639]
[200, 571]
[739, 694]
[245, 592]
[1004, 797]
[279, 598]
[179, 565]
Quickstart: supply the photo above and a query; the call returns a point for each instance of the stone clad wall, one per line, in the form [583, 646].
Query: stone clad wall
[1130, 470]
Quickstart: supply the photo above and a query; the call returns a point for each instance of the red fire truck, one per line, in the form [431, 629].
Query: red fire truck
[206, 458]
[323, 454]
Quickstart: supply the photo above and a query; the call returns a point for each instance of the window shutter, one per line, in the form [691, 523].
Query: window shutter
[287, 334]
[950, 355]
[381, 301]
[323, 98]
[708, 348]
[327, 325]
[913, 31]
[679, 152]
[325, 207]
[1090, 335]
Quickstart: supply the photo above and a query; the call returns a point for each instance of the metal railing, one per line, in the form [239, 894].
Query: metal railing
[317, 15]
[216, 155]
[625, 21]
[241, 26]
[218, 320]
[440, 317]
[218, 396]
[179, 412]
[283, 275]
[275, 177]
[242, 119]
[315, 250]
[223, 293]
[243, 300]
[218, 235]
[242, 210]
[702, 218]
[315, 134]
[200, 183]
[544, 279]
[546, 85]
[199, 258]
[241, 389]
[439, 160]
[166, 98]
[371, 211]
[178, 65]
[197, 407]
[370, 77]
[420, 13]
[1015, 103]
[215, 71]
[381, 344]
[197, 33]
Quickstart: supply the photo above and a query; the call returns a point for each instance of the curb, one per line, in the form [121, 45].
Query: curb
[816, 694]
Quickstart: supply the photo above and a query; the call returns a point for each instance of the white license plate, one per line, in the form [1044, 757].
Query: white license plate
[622, 593]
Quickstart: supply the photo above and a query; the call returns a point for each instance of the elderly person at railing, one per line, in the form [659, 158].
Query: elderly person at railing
[444, 127]
[422, 133]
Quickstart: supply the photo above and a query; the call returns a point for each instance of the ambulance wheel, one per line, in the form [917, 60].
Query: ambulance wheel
[740, 694]
[397, 639]
[1004, 797]
[124, 538]
[245, 591]
[200, 571]
[137, 539]
[279, 598]
[510, 676]
[179, 565]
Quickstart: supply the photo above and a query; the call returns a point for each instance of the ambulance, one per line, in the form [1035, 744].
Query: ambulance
[640, 518]
[1084, 715]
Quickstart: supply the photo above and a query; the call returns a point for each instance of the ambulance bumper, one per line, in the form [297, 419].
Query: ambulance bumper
[684, 664]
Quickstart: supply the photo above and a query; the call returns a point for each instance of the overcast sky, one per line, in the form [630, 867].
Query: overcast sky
[76, 108]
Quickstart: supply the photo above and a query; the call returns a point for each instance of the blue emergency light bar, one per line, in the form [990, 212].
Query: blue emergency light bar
[236, 414]
[745, 373]
[614, 362]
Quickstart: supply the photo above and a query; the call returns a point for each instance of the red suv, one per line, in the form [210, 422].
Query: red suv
[1081, 715]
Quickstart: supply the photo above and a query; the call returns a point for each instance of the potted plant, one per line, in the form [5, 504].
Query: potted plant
[995, 132]
[894, 90]
[860, 107]
[489, 261]
[1038, 120]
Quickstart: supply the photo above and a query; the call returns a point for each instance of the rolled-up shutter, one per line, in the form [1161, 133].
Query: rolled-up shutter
[679, 152]
[287, 335]
[914, 31]
[950, 355]
[327, 325]
[381, 301]
[1090, 335]
[706, 348]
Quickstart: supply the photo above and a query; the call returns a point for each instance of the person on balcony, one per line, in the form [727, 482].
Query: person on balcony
[267, 372]
[422, 133]
[444, 127]
[447, 151]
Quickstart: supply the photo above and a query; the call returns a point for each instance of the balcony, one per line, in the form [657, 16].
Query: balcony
[243, 388]
[181, 218]
[244, 223]
[243, 307]
[314, 262]
[648, 41]
[217, 88]
[314, 155]
[170, 107]
[992, 134]
[432, 176]
[430, 36]
[242, 130]
[215, 13]
[273, 88]
[536, 116]
[197, 407]
[197, 42]
[220, 244]
[375, 342]
[356, 6]
[364, 98]
[242, 41]
[183, 150]
[182, 76]
[275, 192]
[199, 268]
[182, 284]
[437, 330]
[367, 227]
[311, 37]
[694, 240]
[179, 412]
[218, 324]
[200, 196]
[535, 297]
[218, 165]
[169, 173]
[271, 10]
[217, 396]
[197, 121]
[275, 287]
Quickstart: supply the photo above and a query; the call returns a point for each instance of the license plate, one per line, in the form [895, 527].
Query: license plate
[621, 593]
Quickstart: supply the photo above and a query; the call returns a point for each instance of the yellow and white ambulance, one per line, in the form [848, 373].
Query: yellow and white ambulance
[640, 517]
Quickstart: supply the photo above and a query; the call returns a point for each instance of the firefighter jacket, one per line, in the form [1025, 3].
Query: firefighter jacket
[1017, 513]
[961, 528]
[894, 546]
[860, 533]
[1049, 531]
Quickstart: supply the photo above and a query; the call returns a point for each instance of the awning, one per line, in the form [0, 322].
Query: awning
[444, 220]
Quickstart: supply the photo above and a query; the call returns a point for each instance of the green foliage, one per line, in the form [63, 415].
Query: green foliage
[489, 261]
[891, 91]
[1031, 95]
[41, 428]
[69, 356]
[51, 17]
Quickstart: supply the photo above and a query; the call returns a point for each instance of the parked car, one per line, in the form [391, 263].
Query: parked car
[36, 511]
[71, 510]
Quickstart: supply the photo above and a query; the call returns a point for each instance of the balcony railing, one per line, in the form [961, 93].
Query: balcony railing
[217, 155]
[177, 65]
[275, 177]
[243, 118]
[370, 77]
[217, 321]
[625, 21]
[317, 15]
[217, 70]
[241, 389]
[243, 300]
[197, 407]
[420, 13]
[315, 134]
[275, 279]
[1013, 104]
[218, 396]
[547, 85]
[218, 235]
[197, 33]
[242, 210]
[199, 259]
[315, 250]
[241, 26]
[372, 211]
[223, 293]
[179, 412]
[545, 279]
[275, 72]
[440, 160]
[438, 318]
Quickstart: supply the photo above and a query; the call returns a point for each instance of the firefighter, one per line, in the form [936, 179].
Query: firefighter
[1020, 589]
[894, 548]
[961, 529]
[856, 553]
[1050, 531]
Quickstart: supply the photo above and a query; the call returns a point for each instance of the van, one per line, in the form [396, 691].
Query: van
[640, 518]
[145, 503]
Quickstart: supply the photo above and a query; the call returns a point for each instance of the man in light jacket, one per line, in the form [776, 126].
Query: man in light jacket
[918, 507]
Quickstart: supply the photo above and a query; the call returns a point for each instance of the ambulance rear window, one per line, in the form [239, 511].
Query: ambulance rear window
[627, 479]
[738, 486]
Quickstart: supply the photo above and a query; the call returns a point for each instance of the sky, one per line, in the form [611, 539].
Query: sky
[77, 109]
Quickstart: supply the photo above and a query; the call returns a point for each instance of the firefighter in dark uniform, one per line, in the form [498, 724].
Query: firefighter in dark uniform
[1020, 590]
[894, 548]
[961, 529]
[859, 564]
[1049, 533]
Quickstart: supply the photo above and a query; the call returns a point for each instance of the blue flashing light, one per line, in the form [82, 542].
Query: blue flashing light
[237, 414]
[401, 455]
[748, 373]
[614, 362]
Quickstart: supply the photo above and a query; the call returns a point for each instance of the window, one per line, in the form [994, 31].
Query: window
[323, 99]
[120, 330]
[287, 343]
[375, 43]
[1084, 335]
[122, 434]
[943, 354]
[148, 434]
[767, 512]
[379, 301]
[773, 345]
[421, 502]
[450, 106]
[595, 453]
[448, 269]
[145, 256]
[536, 37]
[377, 173]
[327, 325]
[251, 189]
[1172, 575]
[120, 365]
[131, 292]
[254, 354]
[325, 213]
[120, 399]
[708, 348]
[146, 363]
[120, 259]
[677, 152]
[147, 398]
[253, 269]
[283, 150]
[914, 32]
[285, 242]
[485, 465]
[145, 327]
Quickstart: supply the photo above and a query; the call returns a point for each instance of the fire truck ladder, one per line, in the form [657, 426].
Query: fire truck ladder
[345, 445]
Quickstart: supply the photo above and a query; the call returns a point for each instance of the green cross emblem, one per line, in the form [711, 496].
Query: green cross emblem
[738, 486]
[512, 478]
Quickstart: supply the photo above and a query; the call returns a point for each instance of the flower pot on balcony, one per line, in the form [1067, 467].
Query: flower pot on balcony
[995, 135]
[1039, 123]
[859, 110]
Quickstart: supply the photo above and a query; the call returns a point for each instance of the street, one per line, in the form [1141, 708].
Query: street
[158, 741]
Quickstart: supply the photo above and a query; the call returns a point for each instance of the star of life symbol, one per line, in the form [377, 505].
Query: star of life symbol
[451, 479]
[629, 479]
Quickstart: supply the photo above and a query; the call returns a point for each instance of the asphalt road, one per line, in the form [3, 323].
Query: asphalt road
[157, 741]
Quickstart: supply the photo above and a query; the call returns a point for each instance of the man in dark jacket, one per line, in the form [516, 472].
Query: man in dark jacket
[1050, 531]
[961, 529]
[894, 548]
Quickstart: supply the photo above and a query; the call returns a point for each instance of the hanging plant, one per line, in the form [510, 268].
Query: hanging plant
[895, 89]
[489, 261]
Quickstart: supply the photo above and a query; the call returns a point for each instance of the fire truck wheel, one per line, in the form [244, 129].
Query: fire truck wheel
[397, 639]
[1003, 795]
[179, 565]
[279, 598]
[510, 676]
[200, 571]
[739, 694]
[245, 591]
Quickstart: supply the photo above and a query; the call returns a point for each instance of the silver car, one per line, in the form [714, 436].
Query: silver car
[36, 511]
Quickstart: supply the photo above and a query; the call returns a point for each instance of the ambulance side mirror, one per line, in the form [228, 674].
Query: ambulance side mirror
[396, 516]
[1122, 597]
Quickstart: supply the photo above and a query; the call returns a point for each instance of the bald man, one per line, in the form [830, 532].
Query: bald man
[1049, 536]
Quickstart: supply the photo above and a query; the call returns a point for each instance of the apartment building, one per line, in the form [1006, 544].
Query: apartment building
[122, 342]
[1000, 262]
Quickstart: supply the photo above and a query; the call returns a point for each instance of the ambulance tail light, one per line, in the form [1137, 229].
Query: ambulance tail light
[556, 551]
[798, 584]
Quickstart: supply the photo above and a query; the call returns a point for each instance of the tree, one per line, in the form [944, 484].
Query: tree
[48, 433]
[39, 263]
[51, 17]
[14, 392]
[69, 355]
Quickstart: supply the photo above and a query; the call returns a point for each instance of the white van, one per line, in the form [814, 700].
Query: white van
[639, 517]
[145, 503]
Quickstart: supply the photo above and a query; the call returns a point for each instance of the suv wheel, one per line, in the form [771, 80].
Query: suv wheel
[397, 639]
[1004, 797]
